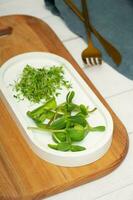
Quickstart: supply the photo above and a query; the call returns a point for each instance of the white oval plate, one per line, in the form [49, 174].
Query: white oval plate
[96, 143]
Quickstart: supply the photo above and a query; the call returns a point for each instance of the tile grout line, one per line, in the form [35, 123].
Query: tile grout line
[73, 38]
[113, 191]
[70, 39]
[117, 94]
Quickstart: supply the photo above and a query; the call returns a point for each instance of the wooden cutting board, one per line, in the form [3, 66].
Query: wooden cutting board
[23, 175]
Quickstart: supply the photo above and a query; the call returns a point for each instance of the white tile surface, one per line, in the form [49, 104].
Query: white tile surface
[122, 194]
[108, 81]
[59, 27]
[4, 1]
[123, 106]
[119, 178]
[30, 7]
[75, 47]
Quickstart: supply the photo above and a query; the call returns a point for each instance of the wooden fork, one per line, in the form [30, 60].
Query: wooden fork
[91, 55]
[109, 48]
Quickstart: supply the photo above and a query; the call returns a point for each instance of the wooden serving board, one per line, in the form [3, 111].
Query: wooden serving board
[23, 175]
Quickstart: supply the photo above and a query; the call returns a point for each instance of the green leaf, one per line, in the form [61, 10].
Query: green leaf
[51, 104]
[59, 123]
[41, 110]
[71, 107]
[59, 137]
[76, 134]
[84, 110]
[75, 148]
[53, 146]
[78, 119]
[63, 146]
[70, 96]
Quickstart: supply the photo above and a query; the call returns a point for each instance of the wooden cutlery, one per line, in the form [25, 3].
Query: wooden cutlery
[110, 49]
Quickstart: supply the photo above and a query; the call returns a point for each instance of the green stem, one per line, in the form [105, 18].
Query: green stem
[90, 111]
[45, 129]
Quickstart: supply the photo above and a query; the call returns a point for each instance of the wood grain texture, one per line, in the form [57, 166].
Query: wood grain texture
[23, 175]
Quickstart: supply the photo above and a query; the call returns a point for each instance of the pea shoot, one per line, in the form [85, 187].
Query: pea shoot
[67, 123]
